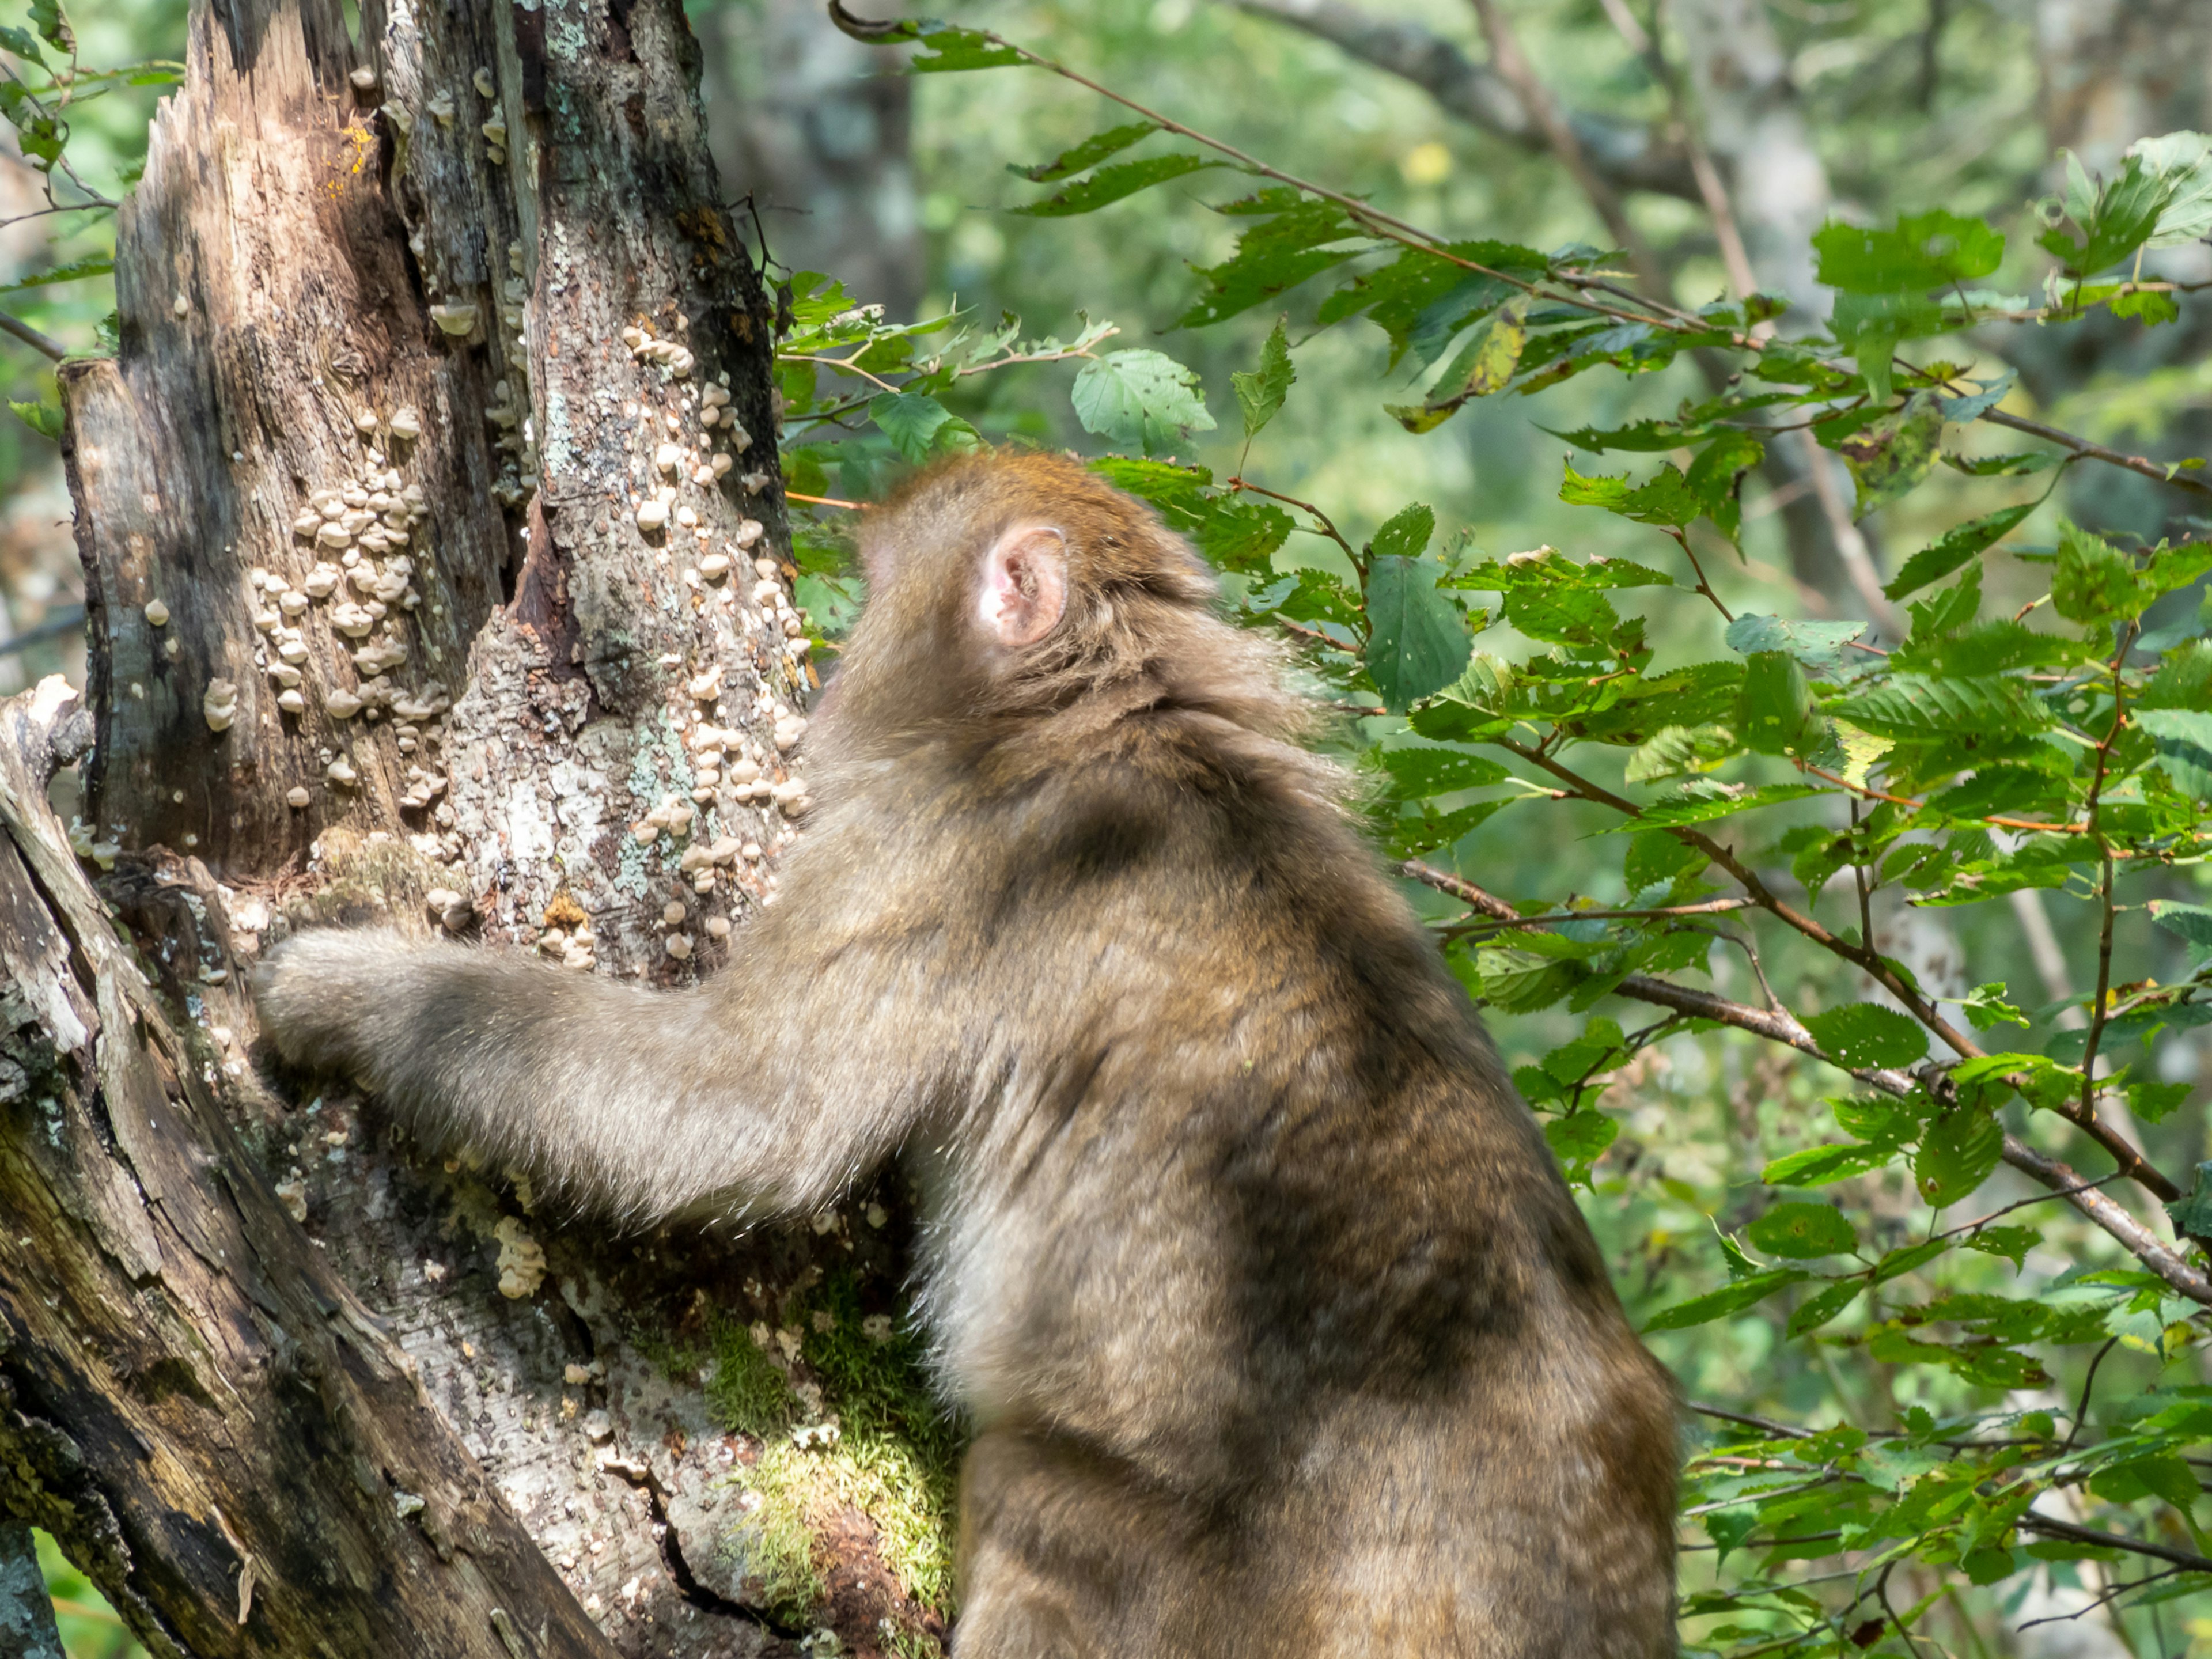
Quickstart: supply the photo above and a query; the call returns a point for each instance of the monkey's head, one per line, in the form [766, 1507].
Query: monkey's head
[1006, 588]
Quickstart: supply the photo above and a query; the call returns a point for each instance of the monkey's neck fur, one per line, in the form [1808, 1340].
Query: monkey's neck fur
[1242, 1253]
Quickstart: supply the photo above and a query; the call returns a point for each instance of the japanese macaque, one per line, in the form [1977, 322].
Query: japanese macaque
[1277, 1330]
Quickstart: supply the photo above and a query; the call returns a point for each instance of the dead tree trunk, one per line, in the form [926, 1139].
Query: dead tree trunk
[437, 573]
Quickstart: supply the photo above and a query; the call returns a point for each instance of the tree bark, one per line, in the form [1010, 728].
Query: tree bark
[418, 592]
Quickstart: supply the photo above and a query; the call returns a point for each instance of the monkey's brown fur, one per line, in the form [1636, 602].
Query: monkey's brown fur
[1279, 1330]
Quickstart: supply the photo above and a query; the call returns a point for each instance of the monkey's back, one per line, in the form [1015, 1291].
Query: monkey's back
[1280, 1329]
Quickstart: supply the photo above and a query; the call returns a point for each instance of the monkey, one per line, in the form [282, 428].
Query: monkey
[1277, 1330]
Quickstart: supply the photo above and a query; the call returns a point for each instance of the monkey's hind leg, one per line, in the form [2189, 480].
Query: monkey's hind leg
[1066, 1555]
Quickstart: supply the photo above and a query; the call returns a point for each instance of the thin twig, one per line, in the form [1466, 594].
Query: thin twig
[2083, 447]
[32, 338]
[2053, 1528]
[2088, 1383]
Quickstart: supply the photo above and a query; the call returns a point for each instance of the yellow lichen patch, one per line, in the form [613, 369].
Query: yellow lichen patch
[521, 1260]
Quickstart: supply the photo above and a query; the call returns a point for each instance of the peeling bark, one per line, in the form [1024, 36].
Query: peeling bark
[418, 592]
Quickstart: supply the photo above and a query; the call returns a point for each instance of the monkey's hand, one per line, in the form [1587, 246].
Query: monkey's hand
[339, 1000]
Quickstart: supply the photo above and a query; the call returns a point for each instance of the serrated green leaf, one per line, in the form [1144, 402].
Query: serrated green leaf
[1665, 498]
[1729, 1299]
[1923, 251]
[1688, 809]
[2192, 921]
[2011, 1243]
[1406, 533]
[1776, 707]
[911, 420]
[2094, 581]
[945, 47]
[1802, 1232]
[93, 265]
[1996, 466]
[1273, 256]
[1416, 642]
[1111, 184]
[1953, 547]
[1919, 707]
[2184, 746]
[1578, 1140]
[43, 418]
[1889, 456]
[1088, 154]
[1818, 1309]
[20, 42]
[1819, 1166]
[1865, 1034]
[1261, 393]
[1437, 769]
[1818, 645]
[1675, 751]
[1139, 397]
[1958, 1153]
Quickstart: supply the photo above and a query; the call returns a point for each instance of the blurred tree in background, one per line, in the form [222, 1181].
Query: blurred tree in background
[1704, 145]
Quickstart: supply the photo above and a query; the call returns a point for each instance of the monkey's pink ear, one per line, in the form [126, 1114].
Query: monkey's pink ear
[1025, 586]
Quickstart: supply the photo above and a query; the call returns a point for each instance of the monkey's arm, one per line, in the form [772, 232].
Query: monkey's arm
[767, 1090]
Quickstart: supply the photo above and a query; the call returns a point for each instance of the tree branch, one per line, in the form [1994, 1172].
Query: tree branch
[1626, 156]
[1781, 1026]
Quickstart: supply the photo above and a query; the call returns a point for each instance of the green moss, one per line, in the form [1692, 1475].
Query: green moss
[747, 1394]
[776, 1543]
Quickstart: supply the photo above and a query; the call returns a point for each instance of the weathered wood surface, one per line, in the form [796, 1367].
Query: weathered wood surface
[525, 711]
[192, 1400]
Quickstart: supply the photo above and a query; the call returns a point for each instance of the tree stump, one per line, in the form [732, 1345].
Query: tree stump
[437, 574]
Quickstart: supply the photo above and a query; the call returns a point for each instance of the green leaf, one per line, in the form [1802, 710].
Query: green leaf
[2011, 1243]
[1665, 498]
[43, 418]
[1818, 645]
[1405, 534]
[1110, 184]
[2193, 1215]
[1824, 1305]
[910, 420]
[1416, 642]
[1953, 547]
[1819, 1166]
[2182, 162]
[19, 41]
[1987, 395]
[1958, 1153]
[1088, 154]
[2116, 217]
[1777, 705]
[1704, 808]
[1261, 393]
[2094, 582]
[1578, 1140]
[53, 28]
[1675, 751]
[1273, 256]
[1998, 466]
[1924, 250]
[93, 265]
[1889, 456]
[2192, 921]
[1916, 706]
[1139, 397]
[1437, 769]
[2184, 746]
[1655, 856]
[946, 47]
[1986, 1007]
[1865, 1034]
[1802, 1232]
[1729, 1299]
[1488, 361]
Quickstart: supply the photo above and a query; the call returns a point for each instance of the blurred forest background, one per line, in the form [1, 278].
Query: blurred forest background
[1543, 122]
